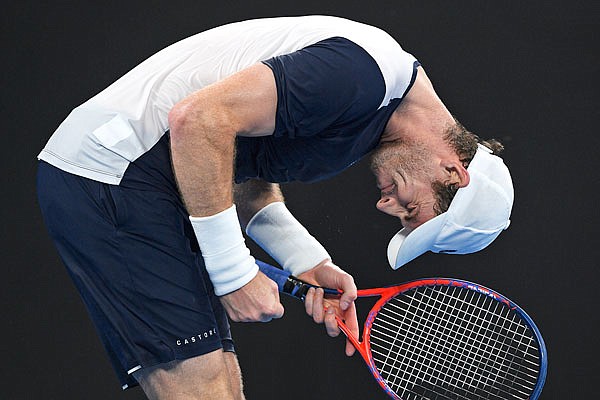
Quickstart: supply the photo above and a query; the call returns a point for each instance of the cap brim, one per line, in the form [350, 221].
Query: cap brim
[406, 245]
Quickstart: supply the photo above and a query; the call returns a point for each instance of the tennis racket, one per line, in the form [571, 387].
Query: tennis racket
[443, 339]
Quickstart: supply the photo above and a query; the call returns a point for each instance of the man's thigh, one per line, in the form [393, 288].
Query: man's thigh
[130, 252]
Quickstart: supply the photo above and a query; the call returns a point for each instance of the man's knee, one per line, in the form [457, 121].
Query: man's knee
[205, 376]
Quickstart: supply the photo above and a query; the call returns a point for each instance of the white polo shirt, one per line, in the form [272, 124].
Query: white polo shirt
[102, 136]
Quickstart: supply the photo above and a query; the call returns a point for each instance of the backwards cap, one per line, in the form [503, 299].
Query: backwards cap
[476, 216]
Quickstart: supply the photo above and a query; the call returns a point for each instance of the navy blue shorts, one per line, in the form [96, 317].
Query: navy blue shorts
[133, 256]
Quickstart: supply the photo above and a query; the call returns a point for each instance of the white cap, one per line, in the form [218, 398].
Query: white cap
[476, 216]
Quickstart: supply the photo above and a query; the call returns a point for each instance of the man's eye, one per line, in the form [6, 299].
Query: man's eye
[390, 191]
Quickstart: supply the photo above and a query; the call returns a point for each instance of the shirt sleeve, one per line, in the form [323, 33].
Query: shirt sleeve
[331, 83]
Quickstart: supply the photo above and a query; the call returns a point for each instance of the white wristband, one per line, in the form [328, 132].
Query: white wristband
[228, 261]
[280, 234]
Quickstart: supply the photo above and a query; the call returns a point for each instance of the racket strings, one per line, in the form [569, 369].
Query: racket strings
[467, 375]
[515, 329]
[446, 342]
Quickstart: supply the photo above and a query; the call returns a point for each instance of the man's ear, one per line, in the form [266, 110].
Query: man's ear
[456, 173]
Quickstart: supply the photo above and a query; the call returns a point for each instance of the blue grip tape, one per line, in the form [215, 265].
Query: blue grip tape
[278, 275]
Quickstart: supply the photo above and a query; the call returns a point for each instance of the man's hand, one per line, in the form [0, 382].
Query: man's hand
[257, 301]
[323, 310]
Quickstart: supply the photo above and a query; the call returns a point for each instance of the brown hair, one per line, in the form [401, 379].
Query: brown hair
[464, 144]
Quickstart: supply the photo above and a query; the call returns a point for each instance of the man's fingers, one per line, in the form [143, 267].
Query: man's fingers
[324, 311]
[318, 310]
[349, 292]
[257, 301]
[263, 315]
[308, 301]
[351, 321]
[276, 312]
[331, 325]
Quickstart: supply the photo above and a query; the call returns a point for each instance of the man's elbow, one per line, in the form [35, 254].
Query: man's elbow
[190, 120]
[179, 118]
[188, 123]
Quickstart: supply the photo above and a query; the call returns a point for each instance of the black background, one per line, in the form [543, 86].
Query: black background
[522, 71]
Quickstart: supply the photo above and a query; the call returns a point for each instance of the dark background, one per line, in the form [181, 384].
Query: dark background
[522, 71]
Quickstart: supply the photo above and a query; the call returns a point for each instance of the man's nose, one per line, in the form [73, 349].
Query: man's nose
[384, 203]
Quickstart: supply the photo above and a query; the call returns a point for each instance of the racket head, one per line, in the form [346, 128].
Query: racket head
[433, 368]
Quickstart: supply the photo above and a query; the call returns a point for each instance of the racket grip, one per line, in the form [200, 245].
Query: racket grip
[289, 284]
[278, 275]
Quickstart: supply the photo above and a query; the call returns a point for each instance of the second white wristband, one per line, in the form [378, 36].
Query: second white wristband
[281, 235]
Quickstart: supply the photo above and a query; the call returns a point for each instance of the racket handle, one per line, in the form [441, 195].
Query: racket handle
[278, 275]
[289, 284]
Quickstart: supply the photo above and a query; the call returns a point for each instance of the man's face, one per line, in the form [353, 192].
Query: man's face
[404, 174]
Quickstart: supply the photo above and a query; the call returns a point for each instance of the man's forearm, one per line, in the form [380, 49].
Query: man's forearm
[202, 152]
[253, 195]
[203, 129]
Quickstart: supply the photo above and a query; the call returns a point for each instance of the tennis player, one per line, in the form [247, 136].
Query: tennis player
[146, 187]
